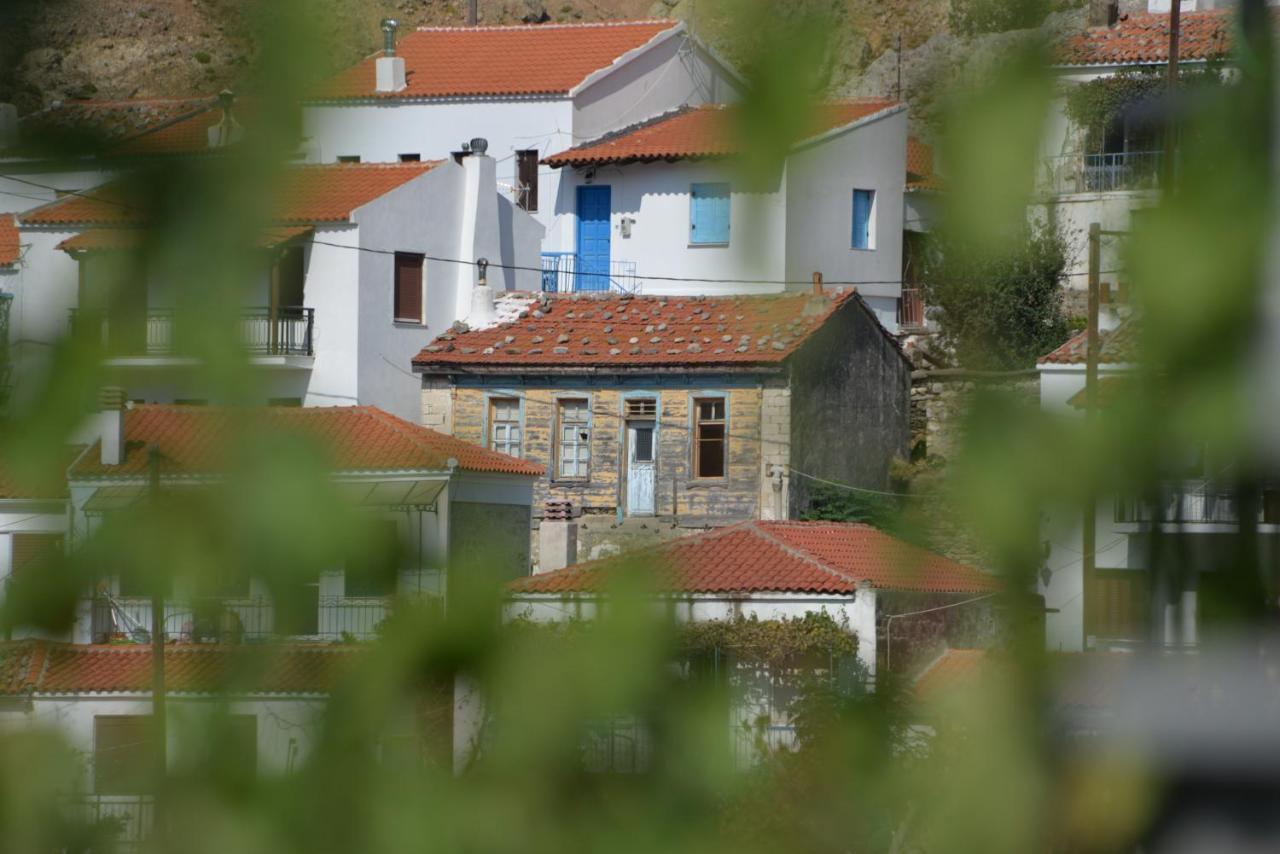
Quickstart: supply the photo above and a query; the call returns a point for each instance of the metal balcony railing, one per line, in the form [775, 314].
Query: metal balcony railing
[564, 272]
[121, 822]
[1104, 172]
[1196, 502]
[911, 309]
[241, 620]
[284, 332]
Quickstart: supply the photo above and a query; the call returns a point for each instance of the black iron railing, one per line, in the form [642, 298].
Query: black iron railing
[283, 332]
[1197, 502]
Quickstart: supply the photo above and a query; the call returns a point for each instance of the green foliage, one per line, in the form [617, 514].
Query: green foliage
[999, 311]
[974, 17]
[203, 57]
[829, 503]
[1095, 104]
[770, 641]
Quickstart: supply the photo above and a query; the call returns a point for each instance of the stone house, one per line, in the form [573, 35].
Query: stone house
[657, 416]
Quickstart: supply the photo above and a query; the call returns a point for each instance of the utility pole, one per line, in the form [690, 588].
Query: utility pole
[897, 90]
[1089, 532]
[1171, 118]
[160, 731]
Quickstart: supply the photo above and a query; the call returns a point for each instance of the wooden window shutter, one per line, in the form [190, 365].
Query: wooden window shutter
[123, 754]
[527, 180]
[34, 549]
[408, 287]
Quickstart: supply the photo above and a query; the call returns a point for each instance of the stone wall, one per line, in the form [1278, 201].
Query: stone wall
[941, 400]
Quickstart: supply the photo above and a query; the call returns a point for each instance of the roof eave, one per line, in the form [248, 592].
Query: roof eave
[627, 58]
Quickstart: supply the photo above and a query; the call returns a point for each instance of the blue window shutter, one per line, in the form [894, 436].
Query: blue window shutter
[709, 213]
[862, 204]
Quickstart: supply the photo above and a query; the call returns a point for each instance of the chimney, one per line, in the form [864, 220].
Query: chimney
[478, 235]
[1103, 13]
[389, 68]
[227, 130]
[817, 284]
[111, 405]
[557, 537]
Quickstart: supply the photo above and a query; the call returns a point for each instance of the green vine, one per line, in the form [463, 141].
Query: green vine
[1094, 105]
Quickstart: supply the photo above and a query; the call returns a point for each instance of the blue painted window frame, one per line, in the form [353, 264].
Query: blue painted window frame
[709, 204]
[864, 213]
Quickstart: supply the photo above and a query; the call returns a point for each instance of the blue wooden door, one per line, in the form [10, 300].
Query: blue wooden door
[594, 205]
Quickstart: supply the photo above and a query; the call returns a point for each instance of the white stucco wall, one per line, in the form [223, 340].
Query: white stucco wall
[382, 132]
[1059, 383]
[820, 182]
[656, 197]
[19, 179]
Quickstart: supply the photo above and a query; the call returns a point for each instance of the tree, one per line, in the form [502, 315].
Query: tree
[1000, 311]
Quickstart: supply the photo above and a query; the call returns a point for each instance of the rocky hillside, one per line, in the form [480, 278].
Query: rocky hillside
[105, 49]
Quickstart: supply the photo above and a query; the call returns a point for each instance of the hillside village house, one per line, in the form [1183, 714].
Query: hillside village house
[859, 576]
[428, 498]
[666, 197]
[349, 287]
[1106, 175]
[656, 416]
[528, 90]
[1132, 597]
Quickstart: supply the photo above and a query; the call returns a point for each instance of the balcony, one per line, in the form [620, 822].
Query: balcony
[911, 310]
[122, 823]
[1104, 173]
[562, 273]
[284, 332]
[241, 620]
[1196, 502]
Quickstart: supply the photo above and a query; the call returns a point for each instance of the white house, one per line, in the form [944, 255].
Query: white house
[528, 90]
[859, 576]
[1106, 175]
[359, 267]
[666, 198]
[1195, 510]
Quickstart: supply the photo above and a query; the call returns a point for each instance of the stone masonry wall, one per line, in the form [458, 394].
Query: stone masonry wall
[940, 404]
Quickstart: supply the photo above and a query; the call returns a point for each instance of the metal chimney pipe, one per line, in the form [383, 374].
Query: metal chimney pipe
[389, 27]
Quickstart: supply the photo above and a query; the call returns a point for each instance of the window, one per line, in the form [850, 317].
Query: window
[124, 755]
[348, 158]
[408, 288]
[642, 407]
[864, 228]
[527, 180]
[34, 550]
[410, 158]
[573, 450]
[371, 568]
[709, 214]
[504, 425]
[709, 436]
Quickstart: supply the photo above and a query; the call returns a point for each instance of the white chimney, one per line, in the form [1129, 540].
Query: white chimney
[111, 403]
[389, 68]
[227, 130]
[557, 537]
[478, 235]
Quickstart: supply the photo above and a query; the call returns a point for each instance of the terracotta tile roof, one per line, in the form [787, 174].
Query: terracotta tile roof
[100, 239]
[625, 331]
[187, 134]
[920, 171]
[198, 440]
[954, 668]
[19, 482]
[774, 557]
[1117, 346]
[44, 667]
[94, 124]
[306, 194]
[9, 247]
[546, 59]
[1140, 39]
[694, 132]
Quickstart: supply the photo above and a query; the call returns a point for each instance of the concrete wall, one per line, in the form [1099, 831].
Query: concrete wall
[382, 132]
[850, 405]
[820, 182]
[655, 197]
[666, 77]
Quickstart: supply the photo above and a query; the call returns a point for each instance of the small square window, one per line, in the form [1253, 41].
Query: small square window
[709, 214]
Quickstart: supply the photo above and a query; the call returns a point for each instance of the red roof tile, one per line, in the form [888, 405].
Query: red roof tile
[920, 171]
[100, 239]
[775, 557]
[306, 194]
[187, 134]
[197, 440]
[694, 132]
[43, 667]
[953, 669]
[19, 482]
[1117, 346]
[9, 247]
[619, 330]
[1140, 39]
[105, 122]
[546, 59]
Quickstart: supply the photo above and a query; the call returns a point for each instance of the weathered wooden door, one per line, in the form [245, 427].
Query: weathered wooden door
[640, 468]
